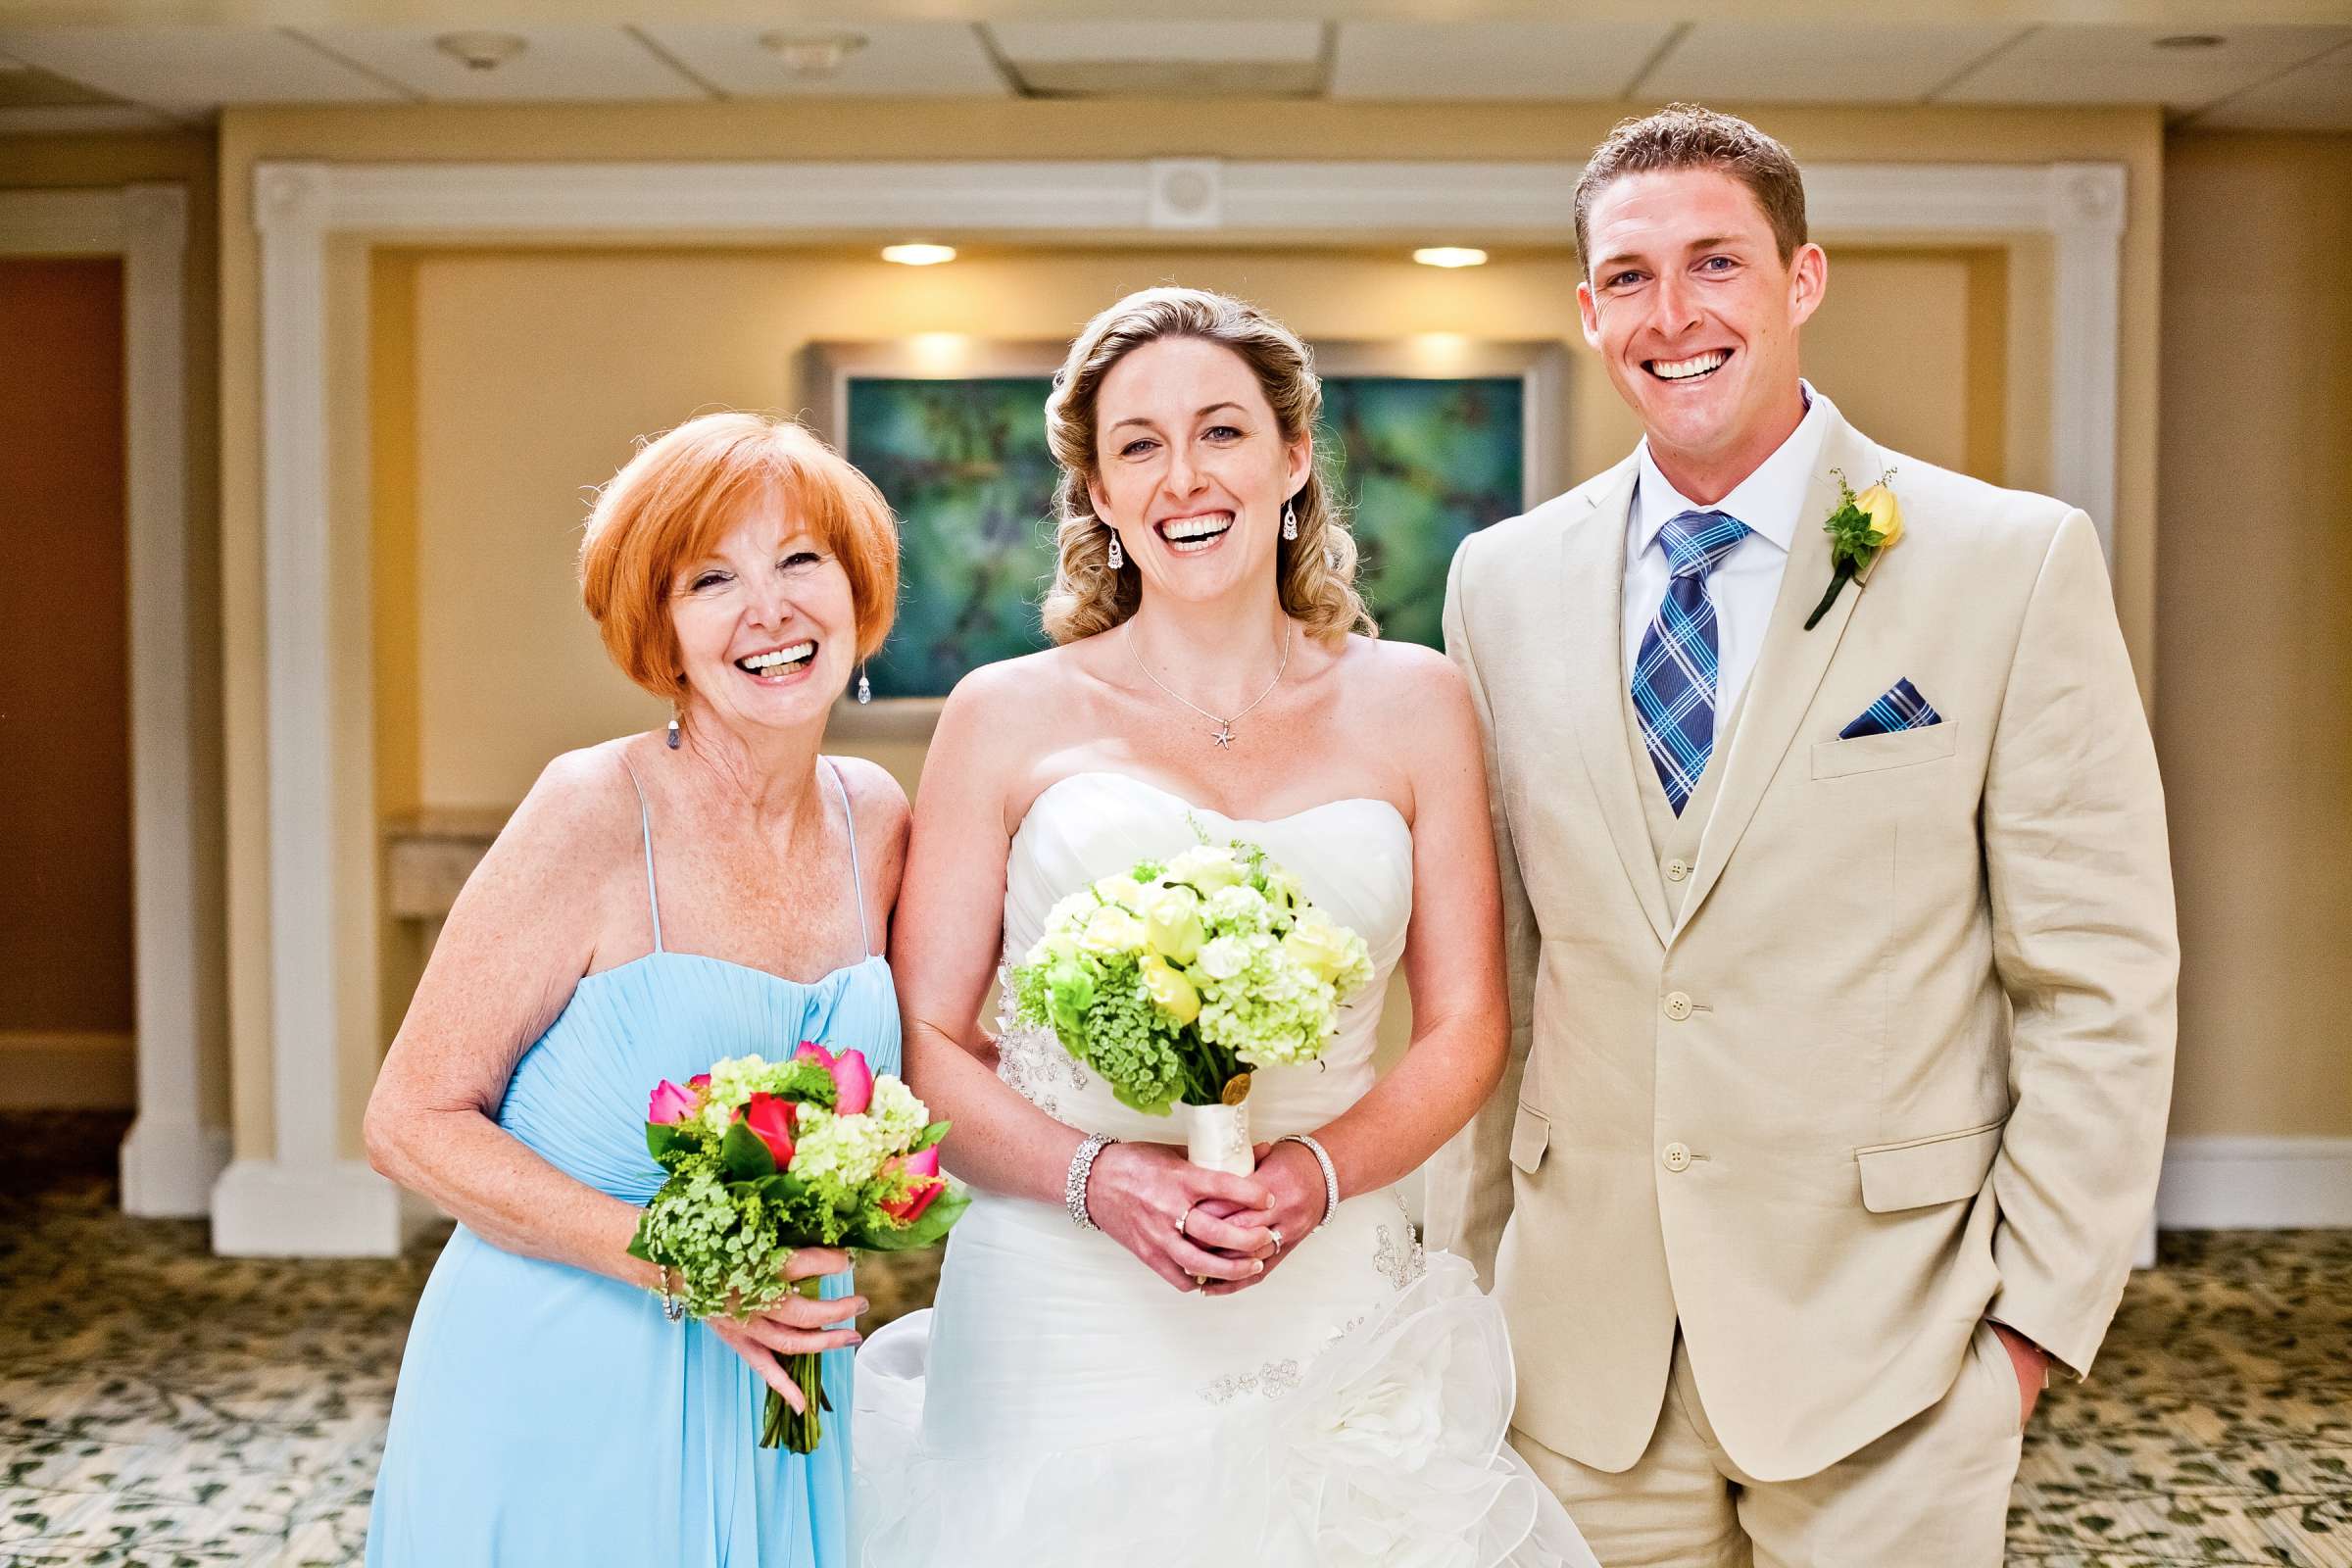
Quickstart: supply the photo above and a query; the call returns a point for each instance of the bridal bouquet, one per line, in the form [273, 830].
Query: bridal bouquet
[1176, 978]
[765, 1157]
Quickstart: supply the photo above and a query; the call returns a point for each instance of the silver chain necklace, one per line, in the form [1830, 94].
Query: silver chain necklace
[1223, 733]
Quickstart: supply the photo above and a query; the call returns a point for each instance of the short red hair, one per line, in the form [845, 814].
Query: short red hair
[680, 496]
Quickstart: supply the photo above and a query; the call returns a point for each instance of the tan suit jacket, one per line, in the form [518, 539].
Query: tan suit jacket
[1903, 1058]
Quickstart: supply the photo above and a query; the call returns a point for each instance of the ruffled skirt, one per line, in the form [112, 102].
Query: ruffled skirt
[1063, 1405]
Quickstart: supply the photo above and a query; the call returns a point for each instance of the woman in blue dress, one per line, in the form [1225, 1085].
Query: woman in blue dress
[658, 903]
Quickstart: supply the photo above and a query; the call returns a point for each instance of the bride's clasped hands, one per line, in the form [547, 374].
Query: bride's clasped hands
[1184, 1222]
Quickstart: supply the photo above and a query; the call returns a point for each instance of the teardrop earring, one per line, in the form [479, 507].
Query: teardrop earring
[1119, 557]
[673, 729]
[865, 688]
[1290, 521]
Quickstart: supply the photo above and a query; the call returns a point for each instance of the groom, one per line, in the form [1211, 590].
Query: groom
[1841, 951]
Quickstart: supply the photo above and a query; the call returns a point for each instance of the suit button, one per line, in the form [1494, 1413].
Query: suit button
[1677, 1158]
[1678, 1006]
[1676, 870]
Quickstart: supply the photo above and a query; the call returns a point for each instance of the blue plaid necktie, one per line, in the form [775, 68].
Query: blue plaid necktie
[1675, 673]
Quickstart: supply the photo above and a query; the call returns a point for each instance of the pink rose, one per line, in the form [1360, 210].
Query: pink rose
[852, 1079]
[698, 1082]
[770, 1120]
[669, 1105]
[919, 1195]
[856, 1081]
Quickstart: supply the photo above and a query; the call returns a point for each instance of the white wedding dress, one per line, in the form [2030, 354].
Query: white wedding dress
[1061, 1405]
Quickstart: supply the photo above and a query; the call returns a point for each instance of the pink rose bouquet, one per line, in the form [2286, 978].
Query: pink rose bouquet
[765, 1158]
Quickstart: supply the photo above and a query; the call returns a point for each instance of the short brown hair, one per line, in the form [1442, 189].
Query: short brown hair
[673, 502]
[1316, 573]
[1691, 136]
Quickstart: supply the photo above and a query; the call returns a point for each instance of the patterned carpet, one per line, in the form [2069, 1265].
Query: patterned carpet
[163, 1409]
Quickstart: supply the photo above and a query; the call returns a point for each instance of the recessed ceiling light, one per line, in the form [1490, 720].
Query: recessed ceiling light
[480, 51]
[2191, 40]
[814, 56]
[1449, 256]
[918, 255]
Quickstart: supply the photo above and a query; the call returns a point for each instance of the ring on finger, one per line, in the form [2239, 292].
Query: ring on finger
[1276, 1232]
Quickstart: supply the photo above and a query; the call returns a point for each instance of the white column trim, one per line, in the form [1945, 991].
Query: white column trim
[170, 1158]
[305, 1199]
[299, 206]
[2087, 215]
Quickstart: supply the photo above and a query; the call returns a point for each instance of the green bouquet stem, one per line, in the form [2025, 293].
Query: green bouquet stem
[1838, 581]
[797, 1430]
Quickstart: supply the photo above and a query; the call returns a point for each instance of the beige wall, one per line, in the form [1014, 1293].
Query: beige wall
[2255, 590]
[533, 373]
[879, 131]
[47, 162]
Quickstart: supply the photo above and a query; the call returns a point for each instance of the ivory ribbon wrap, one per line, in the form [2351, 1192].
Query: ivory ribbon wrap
[1217, 1138]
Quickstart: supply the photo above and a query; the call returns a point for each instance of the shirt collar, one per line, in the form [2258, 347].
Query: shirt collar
[1767, 501]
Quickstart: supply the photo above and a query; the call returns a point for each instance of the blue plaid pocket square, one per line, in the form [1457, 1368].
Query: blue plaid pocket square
[1901, 709]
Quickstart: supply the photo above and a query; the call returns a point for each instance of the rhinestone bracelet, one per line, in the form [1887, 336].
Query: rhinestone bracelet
[1331, 1176]
[1073, 1188]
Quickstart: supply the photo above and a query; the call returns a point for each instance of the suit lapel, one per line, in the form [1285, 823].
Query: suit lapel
[1591, 597]
[1789, 667]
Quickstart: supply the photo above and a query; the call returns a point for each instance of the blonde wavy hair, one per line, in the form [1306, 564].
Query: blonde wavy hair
[1315, 572]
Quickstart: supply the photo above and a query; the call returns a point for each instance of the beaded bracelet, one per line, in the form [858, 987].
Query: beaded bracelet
[1331, 1175]
[671, 1307]
[1073, 1188]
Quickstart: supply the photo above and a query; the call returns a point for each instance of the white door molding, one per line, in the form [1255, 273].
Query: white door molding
[170, 1158]
[306, 1199]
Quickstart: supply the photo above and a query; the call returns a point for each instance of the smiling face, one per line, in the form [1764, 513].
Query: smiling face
[1191, 468]
[1695, 316]
[767, 626]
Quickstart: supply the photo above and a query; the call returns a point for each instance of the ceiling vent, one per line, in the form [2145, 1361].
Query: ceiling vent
[1164, 59]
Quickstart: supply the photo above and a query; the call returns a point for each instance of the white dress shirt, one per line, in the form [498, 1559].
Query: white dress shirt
[1747, 582]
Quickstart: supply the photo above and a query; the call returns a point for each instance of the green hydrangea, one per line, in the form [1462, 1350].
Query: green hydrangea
[1269, 969]
[717, 1237]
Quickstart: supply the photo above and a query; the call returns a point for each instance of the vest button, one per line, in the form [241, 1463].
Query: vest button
[1677, 870]
[1678, 1006]
[1677, 1158]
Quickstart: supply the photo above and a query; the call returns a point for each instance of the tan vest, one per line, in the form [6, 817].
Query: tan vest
[1674, 840]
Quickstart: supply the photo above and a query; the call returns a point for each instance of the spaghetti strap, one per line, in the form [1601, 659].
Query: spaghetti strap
[865, 933]
[645, 826]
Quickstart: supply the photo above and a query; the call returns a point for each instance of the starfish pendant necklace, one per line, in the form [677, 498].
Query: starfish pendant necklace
[1223, 733]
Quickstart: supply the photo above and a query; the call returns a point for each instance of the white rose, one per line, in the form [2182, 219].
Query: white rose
[1208, 867]
[1172, 917]
[1113, 930]
[1118, 890]
[1072, 910]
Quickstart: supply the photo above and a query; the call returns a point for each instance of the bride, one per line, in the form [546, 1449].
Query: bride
[1274, 1373]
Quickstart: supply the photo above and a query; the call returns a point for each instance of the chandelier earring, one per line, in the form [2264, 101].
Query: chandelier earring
[865, 688]
[672, 736]
[1290, 521]
[1119, 557]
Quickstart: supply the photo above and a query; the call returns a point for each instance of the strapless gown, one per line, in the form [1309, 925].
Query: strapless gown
[1061, 1405]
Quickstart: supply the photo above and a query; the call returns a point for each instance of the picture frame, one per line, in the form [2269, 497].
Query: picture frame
[1444, 432]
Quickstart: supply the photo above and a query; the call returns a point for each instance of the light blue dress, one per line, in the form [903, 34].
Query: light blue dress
[547, 1415]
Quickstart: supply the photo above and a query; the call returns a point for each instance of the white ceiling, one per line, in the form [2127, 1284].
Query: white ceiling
[2268, 75]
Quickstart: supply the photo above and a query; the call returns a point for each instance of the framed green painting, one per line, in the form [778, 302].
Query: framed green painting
[1435, 437]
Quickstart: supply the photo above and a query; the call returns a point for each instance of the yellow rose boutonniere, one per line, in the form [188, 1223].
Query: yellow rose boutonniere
[1861, 528]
